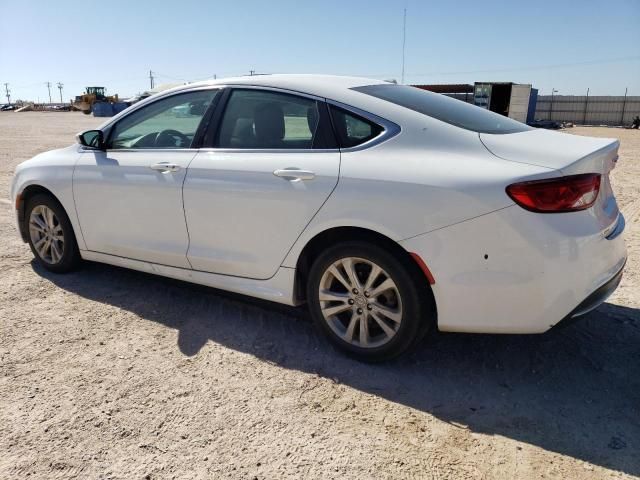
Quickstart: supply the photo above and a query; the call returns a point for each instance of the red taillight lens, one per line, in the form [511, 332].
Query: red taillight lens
[565, 194]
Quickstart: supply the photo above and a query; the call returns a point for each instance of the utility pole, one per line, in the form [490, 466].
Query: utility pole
[624, 104]
[60, 85]
[404, 42]
[251, 72]
[7, 92]
[49, 88]
[586, 102]
[151, 79]
[553, 90]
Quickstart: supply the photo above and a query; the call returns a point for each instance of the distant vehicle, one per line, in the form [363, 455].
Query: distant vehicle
[548, 124]
[7, 107]
[92, 95]
[388, 210]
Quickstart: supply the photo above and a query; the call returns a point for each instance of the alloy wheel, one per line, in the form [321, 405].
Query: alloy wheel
[360, 302]
[46, 234]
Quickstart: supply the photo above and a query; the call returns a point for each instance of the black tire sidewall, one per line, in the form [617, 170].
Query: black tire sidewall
[71, 254]
[412, 327]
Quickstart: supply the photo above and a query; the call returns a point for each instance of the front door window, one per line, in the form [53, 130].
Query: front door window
[167, 123]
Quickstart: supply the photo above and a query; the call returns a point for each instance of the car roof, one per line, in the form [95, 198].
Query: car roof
[328, 86]
[332, 87]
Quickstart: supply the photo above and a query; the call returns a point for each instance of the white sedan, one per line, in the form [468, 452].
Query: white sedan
[389, 210]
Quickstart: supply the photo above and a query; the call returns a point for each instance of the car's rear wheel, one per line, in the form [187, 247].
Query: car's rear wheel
[51, 236]
[367, 301]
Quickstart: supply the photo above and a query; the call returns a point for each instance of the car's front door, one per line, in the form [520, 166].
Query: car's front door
[272, 165]
[129, 197]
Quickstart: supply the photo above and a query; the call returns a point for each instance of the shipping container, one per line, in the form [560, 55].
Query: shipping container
[512, 100]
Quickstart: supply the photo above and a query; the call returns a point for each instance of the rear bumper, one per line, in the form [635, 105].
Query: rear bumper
[594, 300]
[514, 271]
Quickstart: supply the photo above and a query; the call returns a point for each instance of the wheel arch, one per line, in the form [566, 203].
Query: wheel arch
[24, 196]
[336, 235]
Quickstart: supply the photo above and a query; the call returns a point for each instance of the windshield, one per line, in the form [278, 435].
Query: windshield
[446, 109]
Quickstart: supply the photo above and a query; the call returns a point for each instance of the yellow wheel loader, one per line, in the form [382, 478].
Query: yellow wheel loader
[92, 95]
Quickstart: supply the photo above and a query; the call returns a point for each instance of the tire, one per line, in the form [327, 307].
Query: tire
[86, 112]
[62, 254]
[404, 312]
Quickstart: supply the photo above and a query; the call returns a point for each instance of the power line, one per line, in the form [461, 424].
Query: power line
[158, 74]
[545, 67]
[519, 69]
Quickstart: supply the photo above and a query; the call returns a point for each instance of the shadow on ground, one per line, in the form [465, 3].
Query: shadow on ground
[574, 391]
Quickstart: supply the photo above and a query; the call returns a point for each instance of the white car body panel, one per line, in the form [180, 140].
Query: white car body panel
[279, 288]
[567, 258]
[444, 188]
[52, 170]
[569, 153]
[435, 189]
[242, 218]
[127, 209]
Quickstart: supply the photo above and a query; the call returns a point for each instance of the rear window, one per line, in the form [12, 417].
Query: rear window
[448, 110]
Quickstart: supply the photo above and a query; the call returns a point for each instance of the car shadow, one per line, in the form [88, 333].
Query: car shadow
[574, 391]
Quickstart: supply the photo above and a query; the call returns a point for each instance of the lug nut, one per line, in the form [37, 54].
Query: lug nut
[369, 307]
[351, 301]
[366, 293]
[359, 311]
[355, 291]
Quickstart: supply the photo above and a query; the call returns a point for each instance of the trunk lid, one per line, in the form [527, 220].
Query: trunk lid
[569, 155]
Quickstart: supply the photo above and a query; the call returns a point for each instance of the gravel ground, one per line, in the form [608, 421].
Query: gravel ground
[108, 373]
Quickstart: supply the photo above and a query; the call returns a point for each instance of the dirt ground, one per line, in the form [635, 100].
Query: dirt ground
[108, 373]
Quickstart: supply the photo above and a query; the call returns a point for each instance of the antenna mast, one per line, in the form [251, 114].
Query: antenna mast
[404, 41]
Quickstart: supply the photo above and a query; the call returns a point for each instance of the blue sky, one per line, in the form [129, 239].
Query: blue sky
[566, 45]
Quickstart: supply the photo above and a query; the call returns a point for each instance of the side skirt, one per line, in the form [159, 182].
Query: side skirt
[278, 288]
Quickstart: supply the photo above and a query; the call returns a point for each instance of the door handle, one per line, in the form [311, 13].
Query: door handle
[165, 167]
[294, 174]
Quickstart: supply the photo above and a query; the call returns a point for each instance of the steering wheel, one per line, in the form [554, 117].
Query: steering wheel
[167, 138]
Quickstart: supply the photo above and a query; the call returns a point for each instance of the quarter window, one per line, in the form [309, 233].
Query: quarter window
[167, 123]
[351, 129]
[268, 120]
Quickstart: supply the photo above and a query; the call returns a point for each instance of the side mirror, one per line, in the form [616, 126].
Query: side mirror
[91, 139]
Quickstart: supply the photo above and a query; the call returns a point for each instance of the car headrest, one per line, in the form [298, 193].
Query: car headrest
[269, 123]
[312, 119]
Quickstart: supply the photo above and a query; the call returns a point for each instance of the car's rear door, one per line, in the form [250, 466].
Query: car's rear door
[129, 197]
[273, 162]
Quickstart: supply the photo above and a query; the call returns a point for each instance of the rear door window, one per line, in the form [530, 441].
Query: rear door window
[262, 119]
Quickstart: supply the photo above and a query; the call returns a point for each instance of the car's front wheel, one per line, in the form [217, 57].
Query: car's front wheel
[367, 301]
[51, 236]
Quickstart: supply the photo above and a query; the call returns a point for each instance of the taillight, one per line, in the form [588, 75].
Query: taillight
[565, 194]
